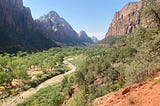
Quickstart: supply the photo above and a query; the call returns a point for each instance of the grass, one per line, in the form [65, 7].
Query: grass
[77, 60]
[50, 96]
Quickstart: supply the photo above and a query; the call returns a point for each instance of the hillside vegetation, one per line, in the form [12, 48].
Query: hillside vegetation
[117, 68]
[104, 70]
[129, 59]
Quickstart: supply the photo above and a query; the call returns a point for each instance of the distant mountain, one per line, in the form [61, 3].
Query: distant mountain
[57, 29]
[94, 39]
[18, 30]
[84, 38]
[133, 15]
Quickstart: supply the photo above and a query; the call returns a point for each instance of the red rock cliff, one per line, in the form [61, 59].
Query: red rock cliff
[128, 18]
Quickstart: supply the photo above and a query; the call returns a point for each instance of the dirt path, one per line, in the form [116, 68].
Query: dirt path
[14, 100]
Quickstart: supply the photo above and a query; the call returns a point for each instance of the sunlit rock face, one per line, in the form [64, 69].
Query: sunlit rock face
[126, 20]
[15, 16]
[129, 18]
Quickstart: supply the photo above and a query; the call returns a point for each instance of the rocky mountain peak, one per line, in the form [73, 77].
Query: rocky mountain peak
[84, 37]
[58, 29]
[15, 3]
[131, 8]
[126, 20]
[52, 14]
[18, 3]
[82, 34]
[94, 39]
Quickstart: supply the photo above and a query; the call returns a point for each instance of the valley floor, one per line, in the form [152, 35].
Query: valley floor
[14, 100]
[141, 94]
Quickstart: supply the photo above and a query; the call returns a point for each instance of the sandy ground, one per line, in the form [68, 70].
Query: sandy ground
[14, 100]
[141, 94]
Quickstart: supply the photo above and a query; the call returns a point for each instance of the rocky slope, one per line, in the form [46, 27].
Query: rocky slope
[84, 38]
[18, 30]
[56, 28]
[141, 94]
[130, 17]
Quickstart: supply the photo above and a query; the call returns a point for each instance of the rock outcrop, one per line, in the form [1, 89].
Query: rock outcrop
[126, 20]
[56, 28]
[85, 38]
[130, 17]
[14, 16]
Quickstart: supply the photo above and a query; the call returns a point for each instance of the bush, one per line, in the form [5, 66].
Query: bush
[50, 96]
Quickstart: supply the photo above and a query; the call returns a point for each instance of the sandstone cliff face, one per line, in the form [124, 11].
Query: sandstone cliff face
[126, 20]
[130, 17]
[85, 38]
[14, 16]
[56, 28]
[158, 1]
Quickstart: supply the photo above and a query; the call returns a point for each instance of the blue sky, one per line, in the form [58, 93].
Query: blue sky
[92, 16]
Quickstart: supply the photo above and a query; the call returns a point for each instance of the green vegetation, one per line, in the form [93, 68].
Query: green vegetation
[108, 69]
[113, 40]
[50, 96]
[99, 70]
[103, 70]
[30, 69]
[116, 68]
[151, 12]
[77, 60]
